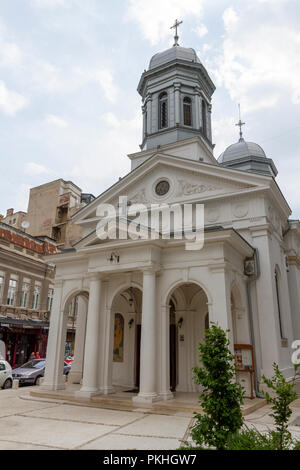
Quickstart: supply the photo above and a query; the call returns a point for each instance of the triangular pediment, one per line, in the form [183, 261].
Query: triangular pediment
[188, 181]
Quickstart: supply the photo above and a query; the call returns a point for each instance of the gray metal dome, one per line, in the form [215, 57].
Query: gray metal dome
[247, 156]
[175, 52]
[241, 149]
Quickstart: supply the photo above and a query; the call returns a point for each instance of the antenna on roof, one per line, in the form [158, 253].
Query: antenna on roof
[240, 124]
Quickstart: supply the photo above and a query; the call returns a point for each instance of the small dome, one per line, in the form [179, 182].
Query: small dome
[175, 52]
[241, 149]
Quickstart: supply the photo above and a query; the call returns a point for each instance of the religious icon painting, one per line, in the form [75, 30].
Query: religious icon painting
[119, 338]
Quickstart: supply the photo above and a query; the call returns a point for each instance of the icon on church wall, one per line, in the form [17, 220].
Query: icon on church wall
[119, 338]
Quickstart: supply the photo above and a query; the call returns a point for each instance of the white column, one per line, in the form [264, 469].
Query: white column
[148, 386]
[177, 103]
[54, 379]
[209, 132]
[107, 339]
[221, 305]
[165, 392]
[267, 303]
[75, 374]
[90, 383]
[197, 109]
[149, 114]
[144, 121]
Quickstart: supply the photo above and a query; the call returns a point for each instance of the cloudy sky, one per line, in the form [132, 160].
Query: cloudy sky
[69, 71]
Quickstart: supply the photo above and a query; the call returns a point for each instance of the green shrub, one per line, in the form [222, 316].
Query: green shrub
[251, 439]
[284, 396]
[221, 397]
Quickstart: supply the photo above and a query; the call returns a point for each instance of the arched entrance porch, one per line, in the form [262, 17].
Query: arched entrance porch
[188, 319]
[76, 309]
[126, 315]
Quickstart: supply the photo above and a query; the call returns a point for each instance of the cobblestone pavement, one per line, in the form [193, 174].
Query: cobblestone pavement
[27, 423]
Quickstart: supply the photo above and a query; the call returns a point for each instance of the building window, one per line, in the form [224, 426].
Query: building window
[50, 300]
[204, 127]
[187, 111]
[279, 304]
[24, 295]
[36, 297]
[163, 111]
[1, 286]
[12, 291]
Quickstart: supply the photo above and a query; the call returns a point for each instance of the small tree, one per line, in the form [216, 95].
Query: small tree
[222, 397]
[284, 396]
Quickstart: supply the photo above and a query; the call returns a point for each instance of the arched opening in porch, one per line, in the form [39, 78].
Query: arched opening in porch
[75, 311]
[126, 311]
[189, 318]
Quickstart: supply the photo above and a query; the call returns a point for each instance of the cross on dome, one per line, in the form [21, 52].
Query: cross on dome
[175, 26]
[240, 124]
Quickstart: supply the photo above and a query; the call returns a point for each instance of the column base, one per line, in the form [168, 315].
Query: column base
[53, 387]
[166, 395]
[88, 393]
[145, 398]
[75, 377]
[107, 390]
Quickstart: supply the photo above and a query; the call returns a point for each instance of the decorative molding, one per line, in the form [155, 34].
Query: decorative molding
[240, 210]
[139, 197]
[186, 188]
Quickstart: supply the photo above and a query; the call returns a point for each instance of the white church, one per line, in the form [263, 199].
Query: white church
[143, 304]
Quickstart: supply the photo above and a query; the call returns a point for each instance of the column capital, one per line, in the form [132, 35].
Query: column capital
[150, 269]
[94, 276]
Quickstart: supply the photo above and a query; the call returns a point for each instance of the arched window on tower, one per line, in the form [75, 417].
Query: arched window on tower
[277, 287]
[163, 111]
[204, 127]
[187, 111]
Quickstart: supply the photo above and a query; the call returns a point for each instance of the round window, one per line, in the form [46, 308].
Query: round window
[162, 188]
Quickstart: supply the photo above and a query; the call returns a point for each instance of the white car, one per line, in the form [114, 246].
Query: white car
[6, 379]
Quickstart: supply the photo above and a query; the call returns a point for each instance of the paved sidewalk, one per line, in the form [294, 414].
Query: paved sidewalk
[28, 423]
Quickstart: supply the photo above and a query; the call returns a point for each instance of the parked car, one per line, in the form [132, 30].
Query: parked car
[6, 379]
[32, 371]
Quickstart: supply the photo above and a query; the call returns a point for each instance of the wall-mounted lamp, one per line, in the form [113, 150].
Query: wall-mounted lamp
[131, 322]
[180, 322]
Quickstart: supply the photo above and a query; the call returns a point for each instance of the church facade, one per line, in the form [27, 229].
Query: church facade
[144, 303]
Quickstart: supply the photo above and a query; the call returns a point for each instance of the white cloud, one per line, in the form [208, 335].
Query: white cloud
[201, 30]
[154, 17]
[35, 169]
[104, 77]
[22, 196]
[105, 158]
[10, 101]
[111, 120]
[259, 65]
[10, 54]
[49, 3]
[230, 18]
[56, 121]
[224, 133]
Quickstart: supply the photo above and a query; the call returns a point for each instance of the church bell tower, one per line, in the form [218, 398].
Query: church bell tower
[176, 91]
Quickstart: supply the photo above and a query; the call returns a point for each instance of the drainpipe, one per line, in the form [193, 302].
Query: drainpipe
[253, 278]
